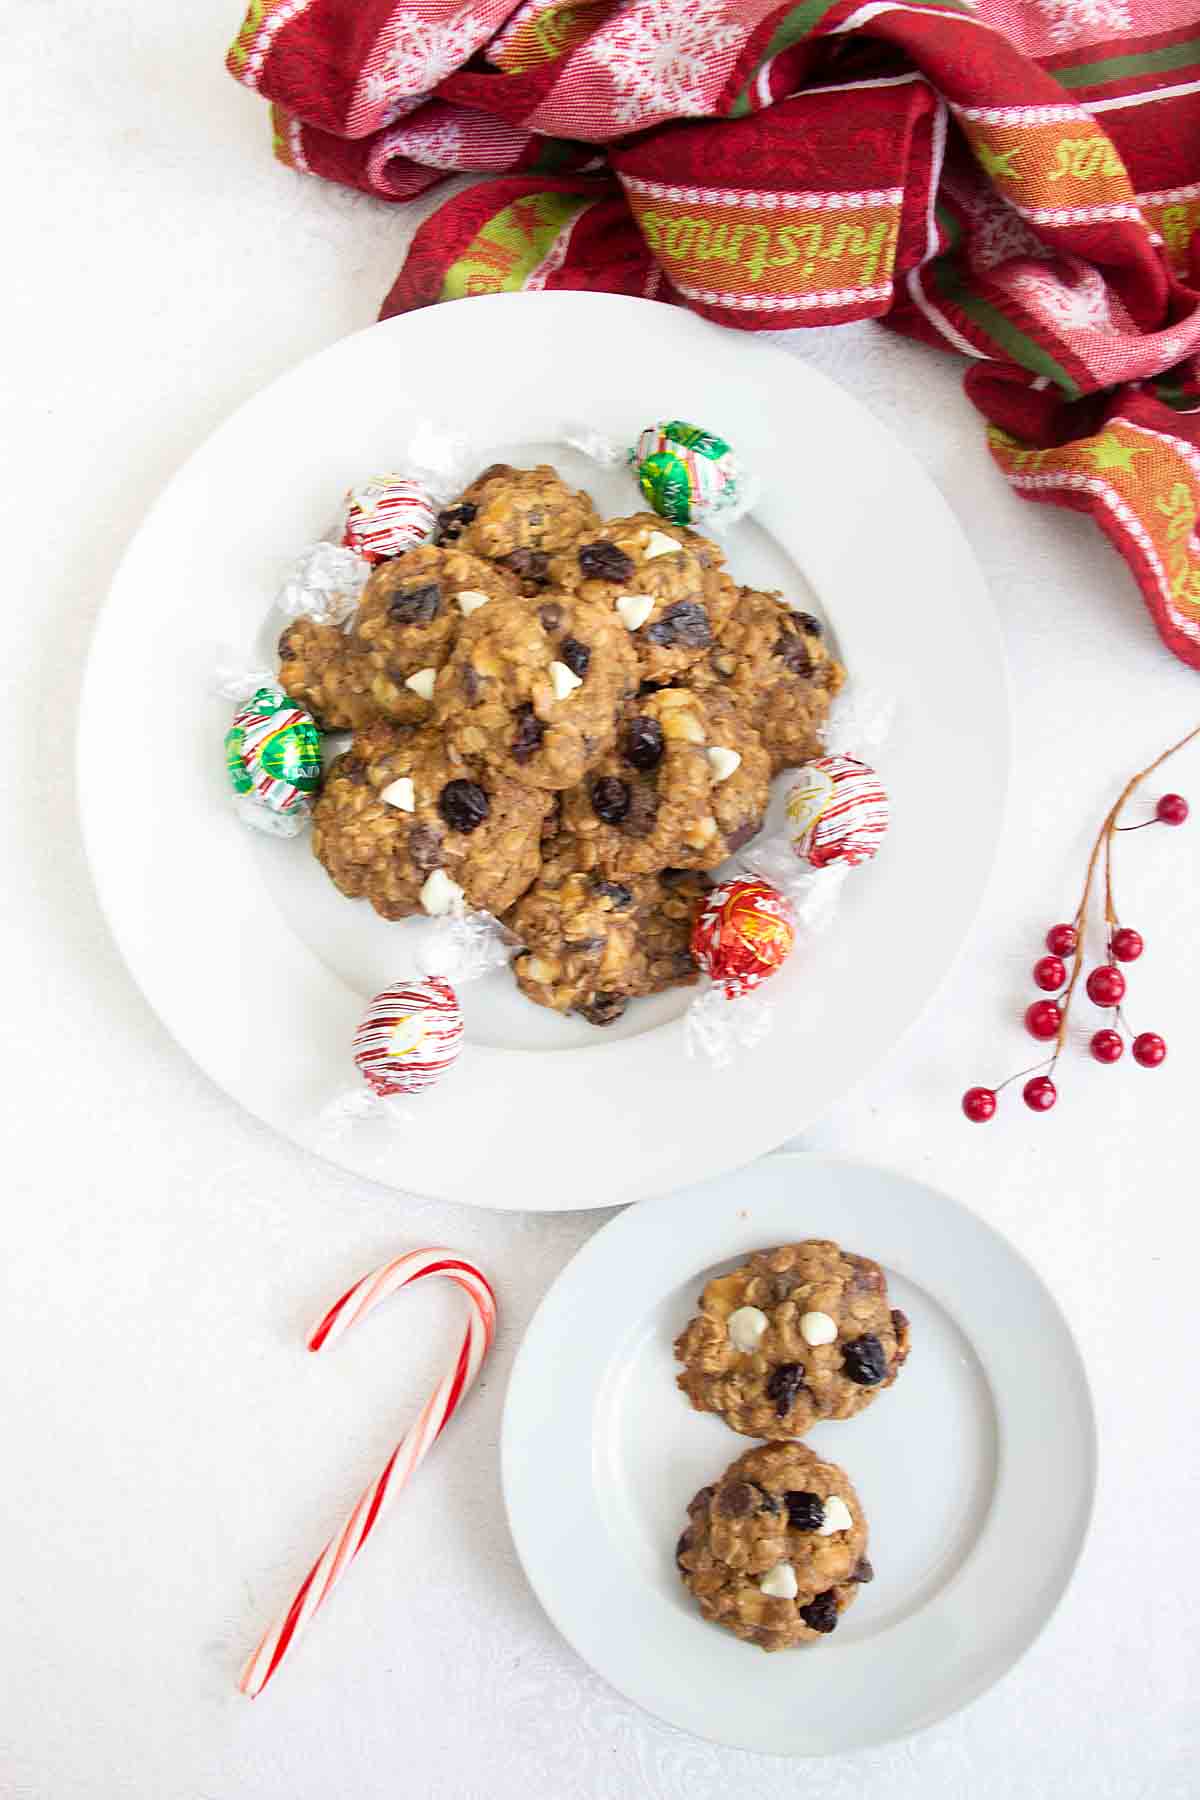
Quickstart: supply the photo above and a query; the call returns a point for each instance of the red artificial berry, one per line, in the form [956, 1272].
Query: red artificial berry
[1040, 1093]
[1062, 940]
[1050, 972]
[979, 1104]
[1107, 1046]
[1149, 1050]
[1106, 985]
[1127, 944]
[1043, 1019]
[1172, 809]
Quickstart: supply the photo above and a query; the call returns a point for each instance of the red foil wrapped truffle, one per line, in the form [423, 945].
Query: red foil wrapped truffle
[742, 934]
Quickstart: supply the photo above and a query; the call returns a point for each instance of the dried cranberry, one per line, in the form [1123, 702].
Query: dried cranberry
[577, 656]
[865, 1360]
[527, 740]
[793, 654]
[602, 561]
[425, 847]
[863, 1570]
[806, 622]
[551, 617]
[452, 520]
[684, 626]
[527, 565]
[616, 891]
[821, 1614]
[644, 743]
[416, 606]
[604, 1009]
[783, 1384]
[610, 799]
[463, 805]
[806, 1512]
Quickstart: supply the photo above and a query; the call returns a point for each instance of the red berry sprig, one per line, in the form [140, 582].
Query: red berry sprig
[1046, 1020]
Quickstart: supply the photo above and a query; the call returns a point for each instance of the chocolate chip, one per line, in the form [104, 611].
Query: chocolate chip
[577, 656]
[452, 519]
[470, 683]
[644, 743]
[864, 1360]
[527, 739]
[616, 891]
[602, 561]
[807, 623]
[551, 617]
[783, 1384]
[821, 1614]
[416, 606]
[610, 799]
[742, 834]
[684, 626]
[863, 1570]
[793, 654]
[806, 1512]
[425, 847]
[527, 565]
[738, 1500]
[604, 1009]
[463, 805]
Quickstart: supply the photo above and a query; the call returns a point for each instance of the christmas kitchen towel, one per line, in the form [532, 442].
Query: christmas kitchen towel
[1016, 180]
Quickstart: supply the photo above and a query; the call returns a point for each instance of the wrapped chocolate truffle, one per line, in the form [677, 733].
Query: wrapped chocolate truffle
[273, 755]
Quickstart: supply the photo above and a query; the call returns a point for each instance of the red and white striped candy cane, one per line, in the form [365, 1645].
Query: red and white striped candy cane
[345, 1544]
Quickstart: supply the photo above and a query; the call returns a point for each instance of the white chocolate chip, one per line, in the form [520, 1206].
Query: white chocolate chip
[722, 762]
[634, 610]
[440, 895]
[780, 1582]
[745, 1326]
[470, 600]
[422, 683]
[838, 1517]
[564, 681]
[659, 544]
[818, 1328]
[400, 793]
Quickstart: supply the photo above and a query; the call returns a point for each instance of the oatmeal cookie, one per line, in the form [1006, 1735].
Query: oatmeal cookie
[666, 582]
[592, 944]
[384, 665]
[775, 668]
[534, 689]
[686, 783]
[797, 1334]
[518, 517]
[400, 808]
[775, 1551]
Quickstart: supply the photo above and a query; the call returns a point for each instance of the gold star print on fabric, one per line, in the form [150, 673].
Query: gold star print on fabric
[1109, 452]
[998, 163]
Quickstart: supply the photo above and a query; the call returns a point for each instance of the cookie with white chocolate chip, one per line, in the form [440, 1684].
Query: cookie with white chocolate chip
[518, 517]
[685, 784]
[797, 1334]
[404, 822]
[385, 664]
[775, 1551]
[774, 666]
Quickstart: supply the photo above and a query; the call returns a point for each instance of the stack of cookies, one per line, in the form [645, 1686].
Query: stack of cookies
[775, 1550]
[563, 721]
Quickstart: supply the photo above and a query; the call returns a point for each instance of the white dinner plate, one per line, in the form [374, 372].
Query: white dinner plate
[260, 968]
[976, 1470]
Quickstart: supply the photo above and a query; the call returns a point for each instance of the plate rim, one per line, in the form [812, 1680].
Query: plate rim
[639, 1182]
[637, 1218]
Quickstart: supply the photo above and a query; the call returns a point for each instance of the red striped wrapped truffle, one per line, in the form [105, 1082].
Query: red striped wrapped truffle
[386, 516]
[409, 1036]
[837, 811]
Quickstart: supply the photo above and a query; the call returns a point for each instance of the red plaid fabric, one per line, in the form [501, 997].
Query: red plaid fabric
[1015, 180]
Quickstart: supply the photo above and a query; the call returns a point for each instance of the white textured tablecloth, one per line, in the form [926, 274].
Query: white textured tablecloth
[168, 1459]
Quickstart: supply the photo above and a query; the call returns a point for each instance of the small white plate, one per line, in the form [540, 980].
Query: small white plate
[261, 969]
[976, 1470]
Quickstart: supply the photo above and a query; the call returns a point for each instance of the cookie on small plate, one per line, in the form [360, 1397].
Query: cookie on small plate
[775, 1551]
[797, 1334]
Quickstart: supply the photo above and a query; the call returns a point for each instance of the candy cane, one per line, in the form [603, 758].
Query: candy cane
[412, 1449]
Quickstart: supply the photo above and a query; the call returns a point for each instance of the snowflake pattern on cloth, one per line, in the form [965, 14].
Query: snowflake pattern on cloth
[412, 55]
[1084, 21]
[998, 233]
[667, 58]
[1074, 297]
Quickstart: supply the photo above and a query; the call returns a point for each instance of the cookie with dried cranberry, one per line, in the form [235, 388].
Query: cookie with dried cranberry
[774, 666]
[775, 1551]
[666, 583]
[797, 1334]
[534, 690]
[684, 785]
[518, 517]
[404, 822]
[383, 666]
